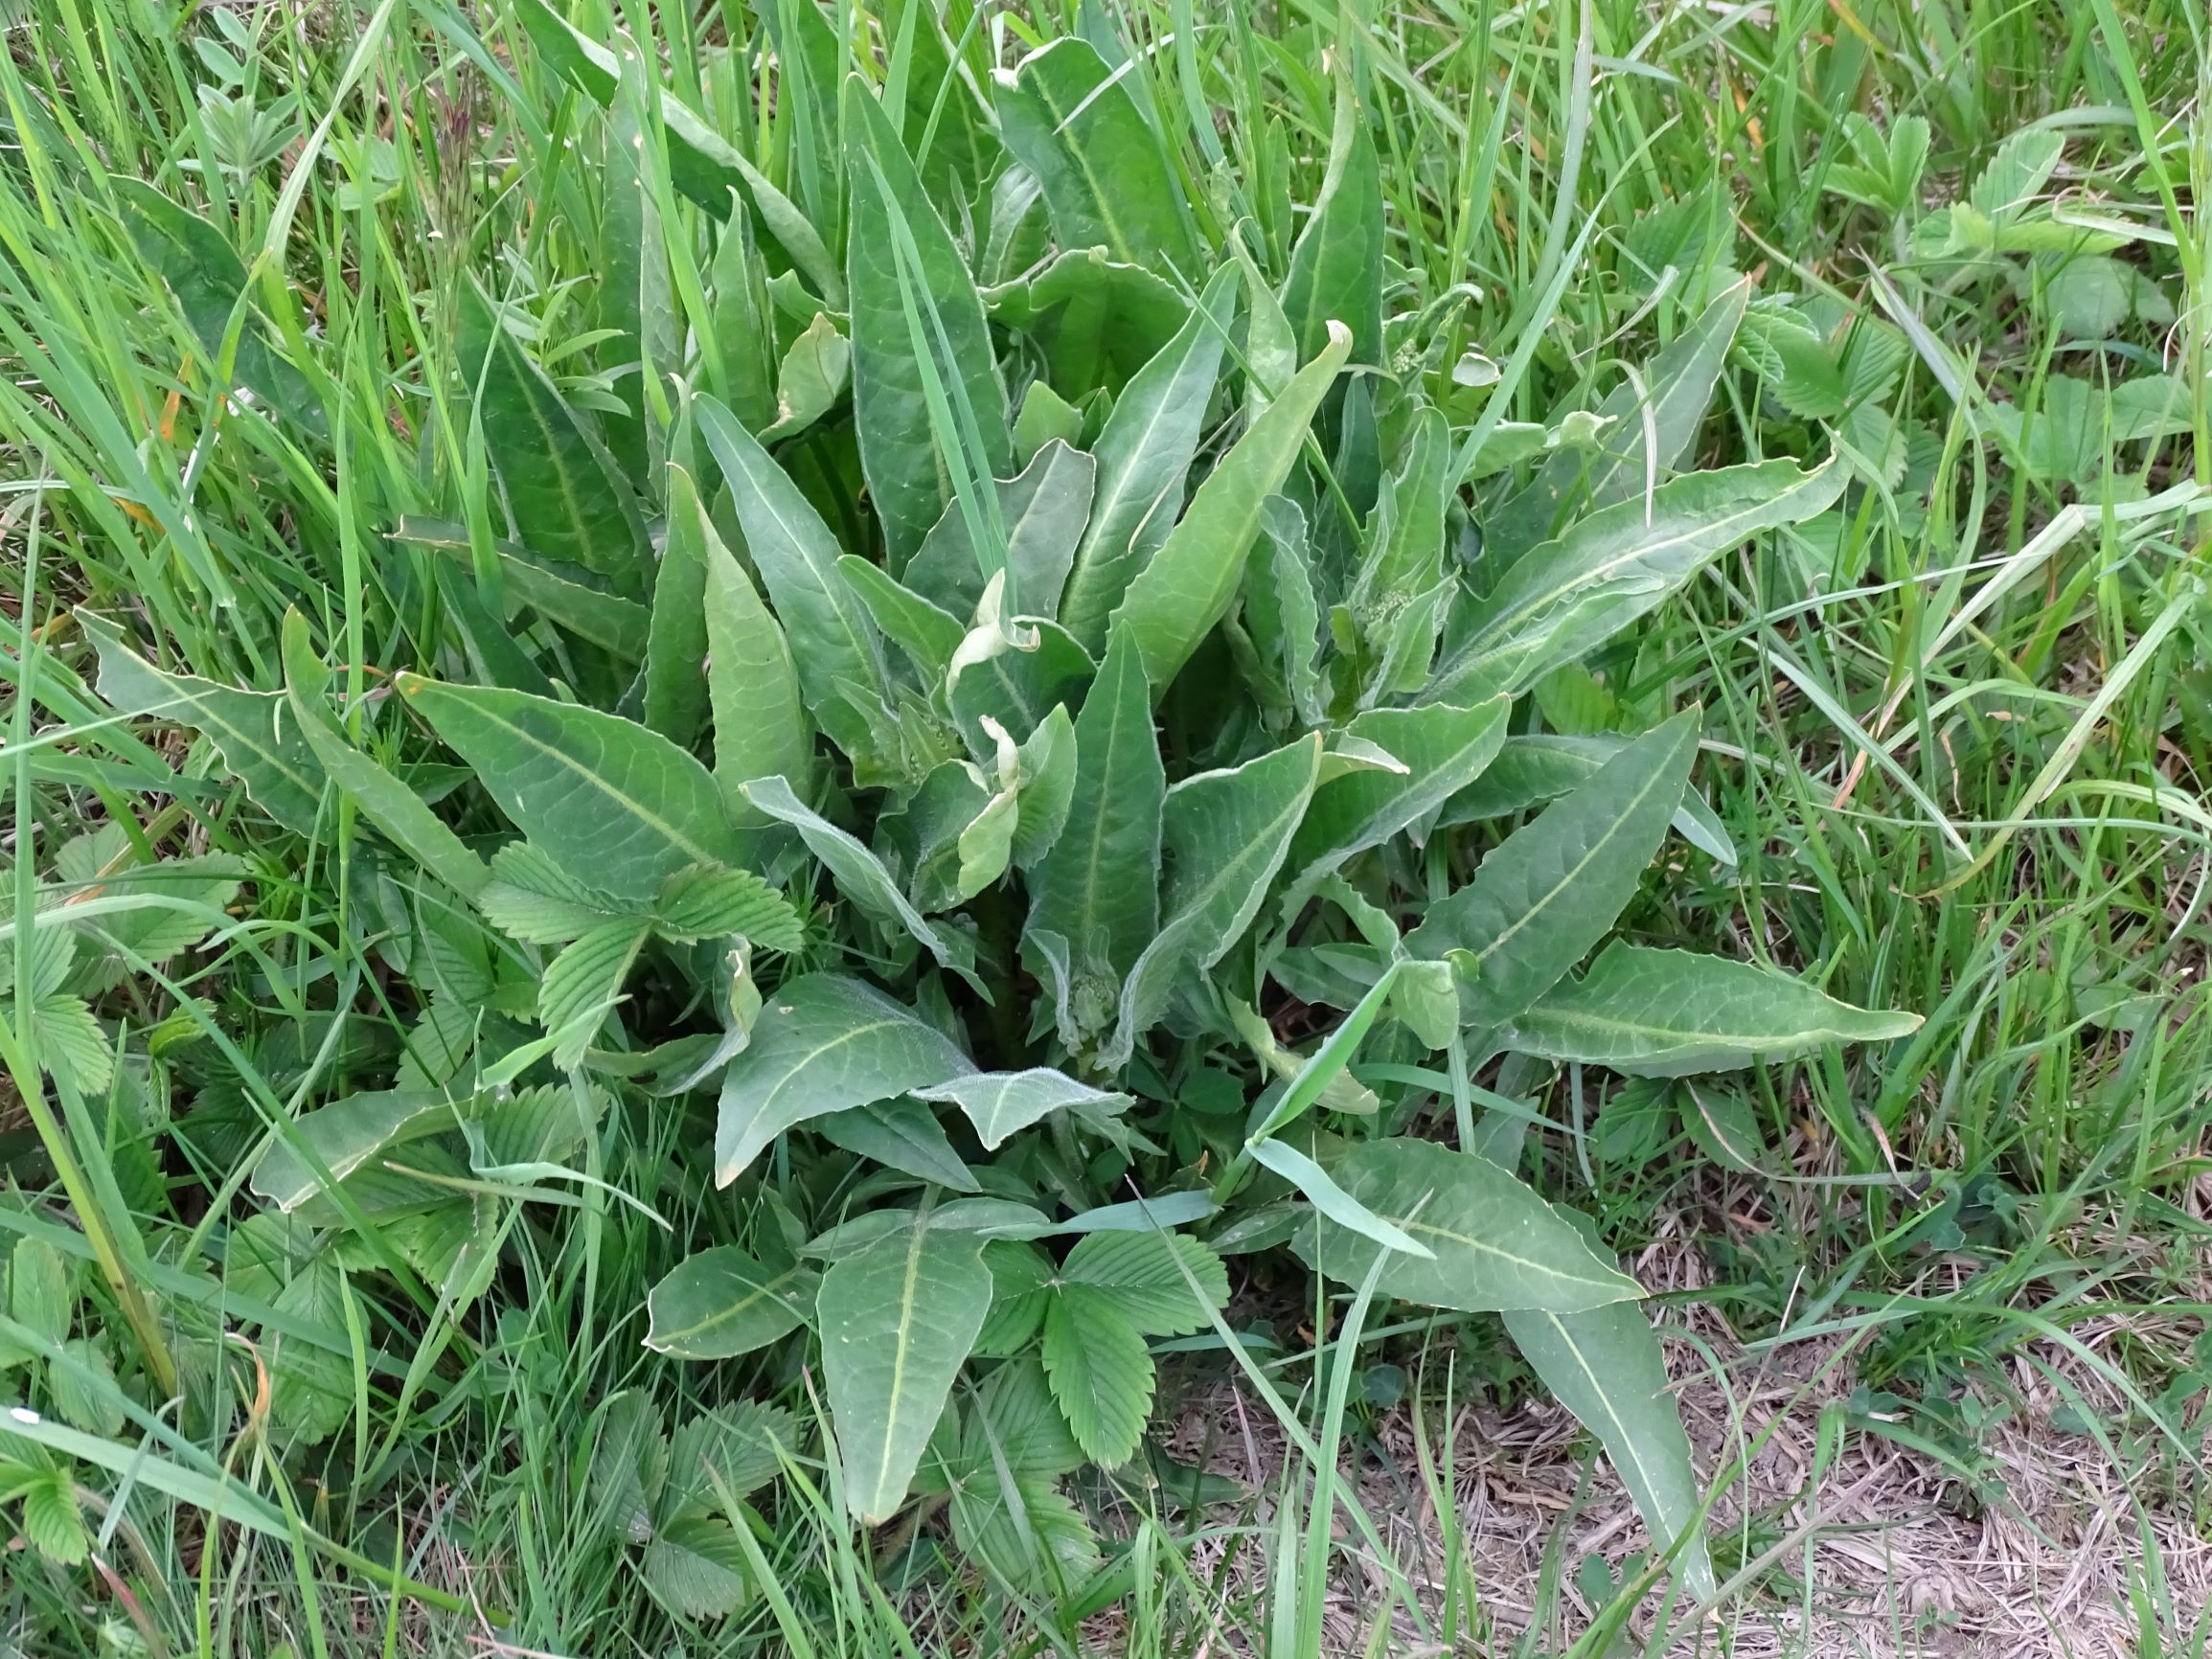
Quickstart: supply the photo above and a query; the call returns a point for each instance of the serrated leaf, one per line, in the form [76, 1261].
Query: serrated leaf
[586, 980]
[531, 898]
[312, 1389]
[1002, 1104]
[611, 802]
[1143, 452]
[1553, 889]
[1097, 888]
[53, 1520]
[1101, 1373]
[822, 1044]
[1497, 1246]
[721, 1303]
[71, 1045]
[860, 875]
[1668, 1014]
[263, 749]
[1161, 1283]
[628, 1464]
[1605, 1366]
[698, 1566]
[2020, 168]
[1223, 836]
[1175, 602]
[906, 476]
[1442, 748]
[896, 1321]
[704, 903]
[1048, 1547]
[1619, 563]
[902, 1135]
[38, 1291]
[567, 498]
[733, 1449]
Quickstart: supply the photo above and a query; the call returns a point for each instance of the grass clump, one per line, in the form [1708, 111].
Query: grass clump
[756, 754]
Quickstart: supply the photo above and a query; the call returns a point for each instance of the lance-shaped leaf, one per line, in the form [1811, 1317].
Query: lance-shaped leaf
[721, 1302]
[1668, 1014]
[832, 639]
[1568, 598]
[901, 1134]
[1552, 890]
[760, 728]
[1175, 602]
[1606, 1367]
[1541, 766]
[898, 450]
[1098, 887]
[389, 804]
[1676, 384]
[621, 625]
[823, 1044]
[1044, 508]
[1337, 267]
[1442, 748]
[860, 875]
[1002, 1104]
[896, 1319]
[677, 695]
[927, 634]
[345, 1135]
[568, 500]
[1223, 836]
[1071, 120]
[1495, 1243]
[263, 750]
[1143, 452]
[635, 287]
[617, 807]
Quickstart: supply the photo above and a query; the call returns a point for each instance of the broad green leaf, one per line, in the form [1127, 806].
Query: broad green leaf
[389, 804]
[860, 875]
[1143, 453]
[346, 1135]
[1044, 509]
[896, 1319]
[312, 1389]
[1097, 886]
[1667, 1013]
[1095, 321]
[1223, 837]
[1074, 125]
[1045, 416]
[1496, 1245]
[262, 750]
[811, 378]
[39, 1296]
[676, 698]
[1606, 1367]
[906, 475]
[721, 1303]
[1002, 1104]
[1016, 682]
[1541, 766]
[206, 274]
[1101, 1373]
[822, 1044]
[1337, 267]
[567, 498]
[1442, 749]
[1553, 889]
[1332, 1200]
[83, 1388]
[1570, 597]
[927, 634]
[1676, 385]
[900, 1134]
[616, 806]
[1047, 788]
[621, 625]
[1175, 599]
[832, 639]
[760, 727]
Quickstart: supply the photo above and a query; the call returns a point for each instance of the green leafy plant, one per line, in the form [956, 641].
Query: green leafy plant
[971, 676]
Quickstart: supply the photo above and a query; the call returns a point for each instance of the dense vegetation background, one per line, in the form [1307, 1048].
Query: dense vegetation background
[859, 829]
